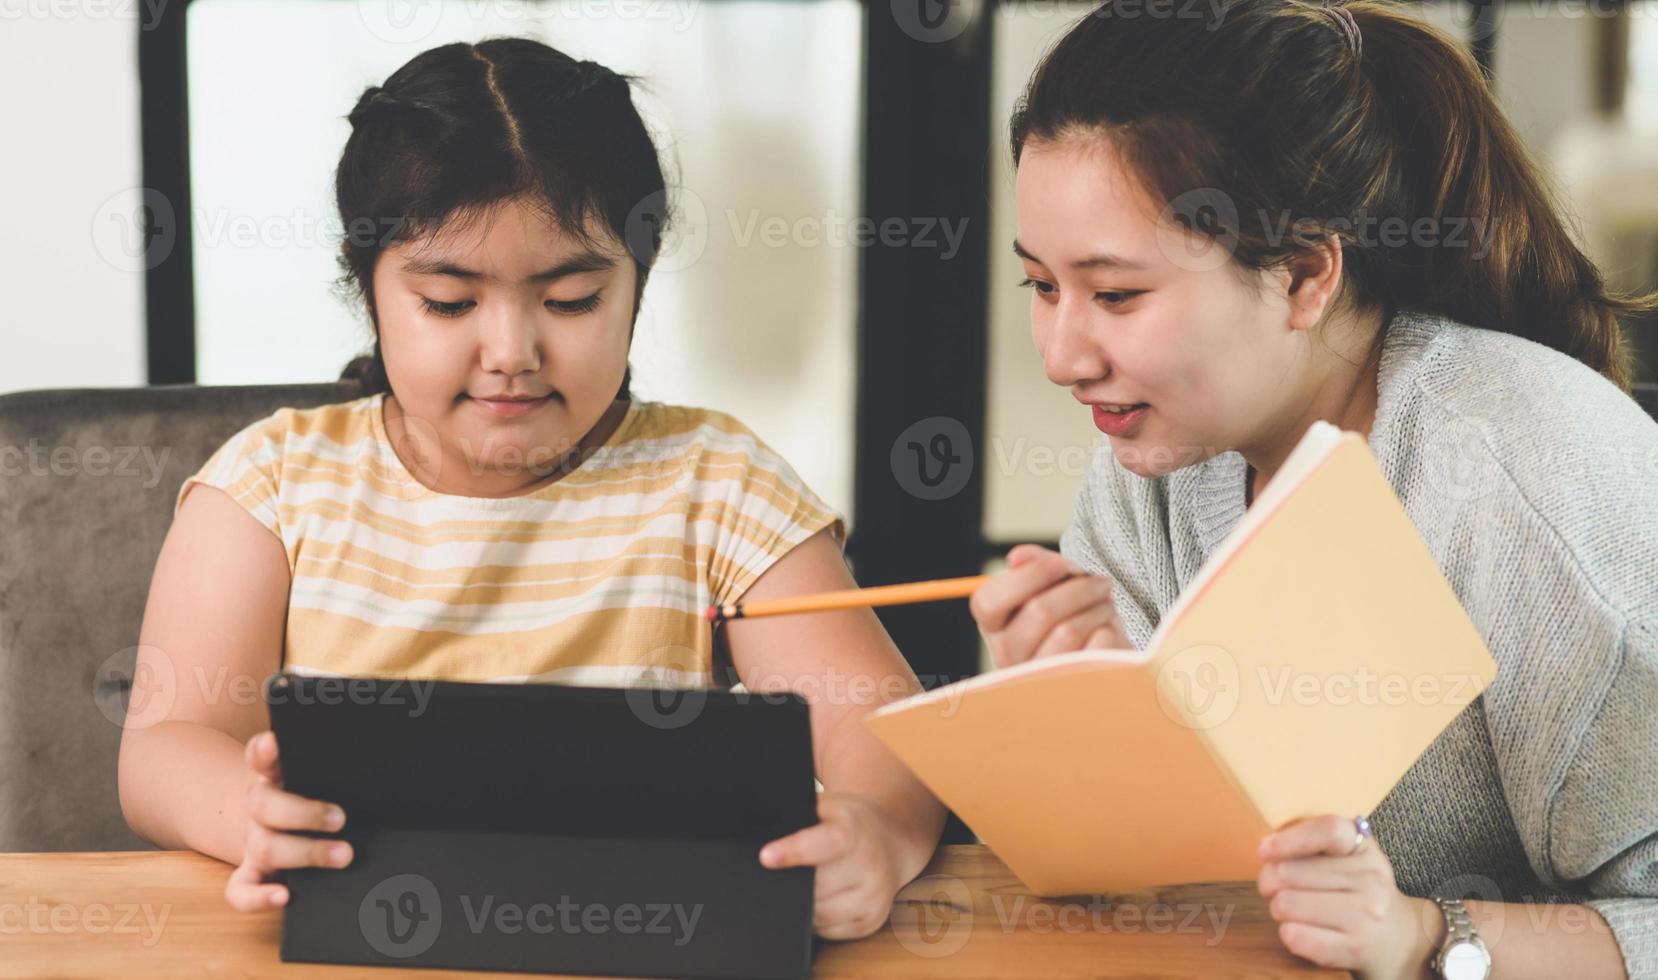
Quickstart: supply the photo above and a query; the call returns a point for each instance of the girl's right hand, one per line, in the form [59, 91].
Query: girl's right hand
[270, 848]
[1044, 604]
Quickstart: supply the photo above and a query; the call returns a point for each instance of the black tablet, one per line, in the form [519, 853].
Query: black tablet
[546, 828]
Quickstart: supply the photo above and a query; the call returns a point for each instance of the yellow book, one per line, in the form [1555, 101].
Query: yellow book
[1309, 663]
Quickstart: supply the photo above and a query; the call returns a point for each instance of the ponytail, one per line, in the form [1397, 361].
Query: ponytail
[1466, 159]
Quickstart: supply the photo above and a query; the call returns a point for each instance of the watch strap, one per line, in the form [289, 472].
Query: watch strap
[1459, 928]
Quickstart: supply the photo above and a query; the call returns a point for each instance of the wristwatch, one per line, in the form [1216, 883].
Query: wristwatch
[1463, 955]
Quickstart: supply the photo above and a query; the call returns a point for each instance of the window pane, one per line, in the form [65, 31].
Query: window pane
[1643, 62]
[752, 312]
[1038, 436]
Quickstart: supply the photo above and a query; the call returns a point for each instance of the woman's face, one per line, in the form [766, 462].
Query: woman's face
[1129, 308]
[506, 340]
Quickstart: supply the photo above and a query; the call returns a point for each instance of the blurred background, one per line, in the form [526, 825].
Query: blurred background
[839, 277]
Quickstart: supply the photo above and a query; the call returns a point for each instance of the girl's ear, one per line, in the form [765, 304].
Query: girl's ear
[1311, 278]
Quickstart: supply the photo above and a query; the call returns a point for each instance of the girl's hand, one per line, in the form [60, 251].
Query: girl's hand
[269, 849]
[1342, 909]
[1045, 604]
[857, 874]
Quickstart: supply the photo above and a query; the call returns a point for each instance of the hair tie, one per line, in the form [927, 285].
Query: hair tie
[1349, 27]
[374, 97]
[591, 74]
[366, 102]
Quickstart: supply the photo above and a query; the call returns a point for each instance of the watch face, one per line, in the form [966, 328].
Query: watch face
[1465, 961]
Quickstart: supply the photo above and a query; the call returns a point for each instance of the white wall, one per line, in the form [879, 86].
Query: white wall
[71, 300]
[734, 317]
[742, 320]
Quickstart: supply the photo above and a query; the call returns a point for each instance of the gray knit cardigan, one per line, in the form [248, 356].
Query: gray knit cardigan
[1534, 482]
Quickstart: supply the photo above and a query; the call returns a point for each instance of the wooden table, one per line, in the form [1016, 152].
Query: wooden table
[162, 913]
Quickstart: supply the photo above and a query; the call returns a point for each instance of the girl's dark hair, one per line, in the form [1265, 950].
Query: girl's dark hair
[1270, 111]
[462, 128]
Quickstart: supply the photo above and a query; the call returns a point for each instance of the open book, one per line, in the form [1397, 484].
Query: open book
[1308, 664]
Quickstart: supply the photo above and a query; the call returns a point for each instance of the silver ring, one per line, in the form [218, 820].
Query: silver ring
[1362, 832]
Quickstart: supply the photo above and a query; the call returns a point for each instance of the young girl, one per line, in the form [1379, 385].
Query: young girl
[1236, 226]
[499, 507]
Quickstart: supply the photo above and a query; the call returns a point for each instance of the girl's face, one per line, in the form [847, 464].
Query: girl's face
[505, 341]
[1131, 309]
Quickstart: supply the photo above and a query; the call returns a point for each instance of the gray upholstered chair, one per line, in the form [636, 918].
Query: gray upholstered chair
[87, 482]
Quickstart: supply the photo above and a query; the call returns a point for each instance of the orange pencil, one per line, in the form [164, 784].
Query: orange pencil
[881, 595]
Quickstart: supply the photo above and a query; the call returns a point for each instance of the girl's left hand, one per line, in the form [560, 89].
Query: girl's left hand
[1342, 909]
[857, 874]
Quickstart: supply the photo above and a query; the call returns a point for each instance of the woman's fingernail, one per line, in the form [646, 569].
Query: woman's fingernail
[340, 854]
[279, 897]
[768, 855]
[335, 818]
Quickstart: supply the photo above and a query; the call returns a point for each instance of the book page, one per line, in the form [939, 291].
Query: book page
[1051, 666]
[1315, 446]
[1329, 651]
[1082, 783]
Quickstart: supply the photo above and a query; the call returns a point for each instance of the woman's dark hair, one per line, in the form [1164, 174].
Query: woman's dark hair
[1271, 110]
[464, 127]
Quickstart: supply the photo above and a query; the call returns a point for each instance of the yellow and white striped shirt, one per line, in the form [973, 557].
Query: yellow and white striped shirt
[600, 577]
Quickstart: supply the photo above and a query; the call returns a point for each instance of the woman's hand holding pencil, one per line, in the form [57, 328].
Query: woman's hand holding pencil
[881, 595]
[1044, 604]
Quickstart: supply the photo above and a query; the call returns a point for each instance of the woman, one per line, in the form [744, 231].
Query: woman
[1236, 226]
